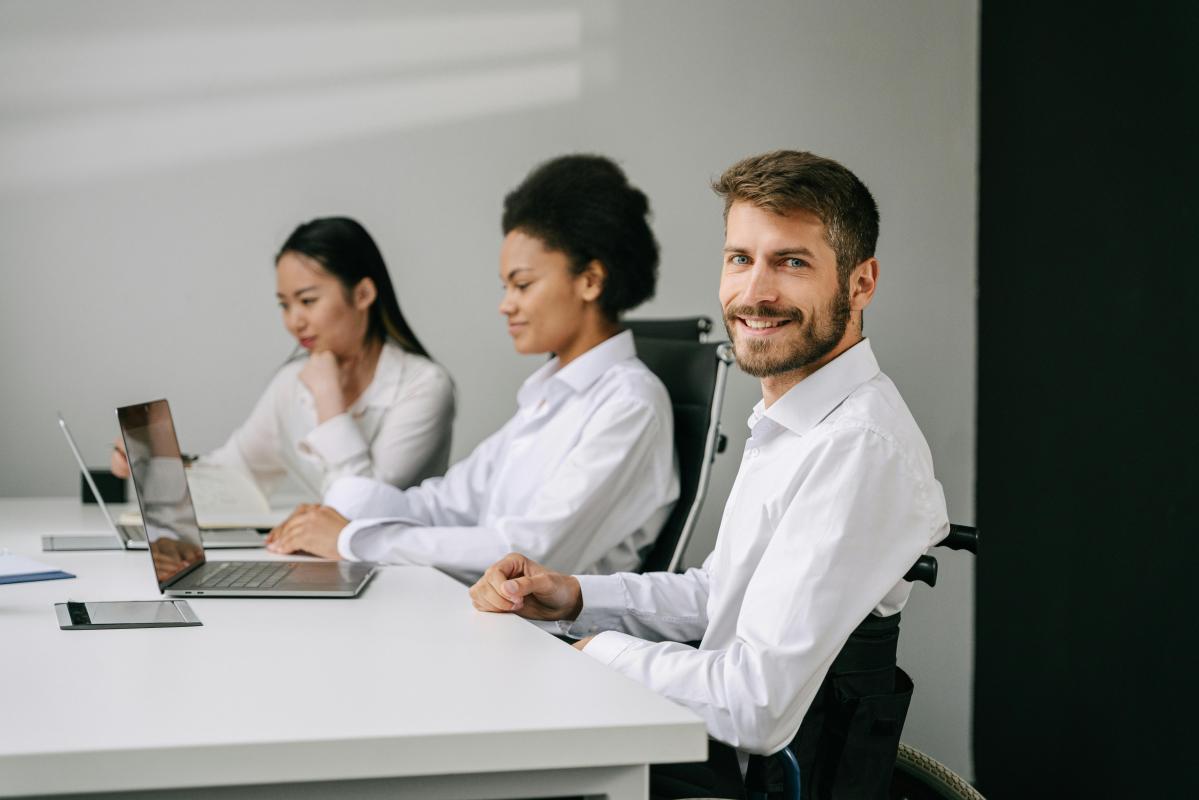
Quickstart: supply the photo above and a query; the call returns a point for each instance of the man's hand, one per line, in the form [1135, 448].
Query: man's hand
[517, 584]
[310, 529]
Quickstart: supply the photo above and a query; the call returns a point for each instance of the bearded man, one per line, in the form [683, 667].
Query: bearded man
[835, 499]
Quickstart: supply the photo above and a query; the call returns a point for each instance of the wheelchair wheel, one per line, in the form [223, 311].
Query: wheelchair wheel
[920, 777]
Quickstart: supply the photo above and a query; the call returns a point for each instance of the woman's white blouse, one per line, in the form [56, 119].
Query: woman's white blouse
[582, 478]
[397, 431]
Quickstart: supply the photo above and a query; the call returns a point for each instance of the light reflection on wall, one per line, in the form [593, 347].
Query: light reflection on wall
[105, 106]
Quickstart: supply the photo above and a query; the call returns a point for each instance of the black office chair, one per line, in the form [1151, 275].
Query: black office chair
[688, 329]
[694, 374]
[827, 743]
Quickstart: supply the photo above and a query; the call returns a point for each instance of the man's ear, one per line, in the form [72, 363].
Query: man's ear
[591, 280]
[862, 283]
[365, 293]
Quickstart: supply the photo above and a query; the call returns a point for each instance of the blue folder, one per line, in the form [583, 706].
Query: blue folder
[18, 569]
[36, 576]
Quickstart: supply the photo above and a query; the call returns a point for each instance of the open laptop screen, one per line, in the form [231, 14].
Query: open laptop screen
[87, 475]
[160, 481]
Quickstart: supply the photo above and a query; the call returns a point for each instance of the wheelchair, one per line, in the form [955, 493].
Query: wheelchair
[915, 776]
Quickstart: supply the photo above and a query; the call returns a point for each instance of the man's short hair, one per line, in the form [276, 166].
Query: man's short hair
[784, 181]
[583, 206]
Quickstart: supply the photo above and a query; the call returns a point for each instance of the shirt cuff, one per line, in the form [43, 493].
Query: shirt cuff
[374, 539]
[604, 603]
[345, 539]
[335, 441]
[608, 646]
[349, 495]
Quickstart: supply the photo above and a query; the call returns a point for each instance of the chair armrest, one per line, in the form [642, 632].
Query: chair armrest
[924, 570]
[961, 537]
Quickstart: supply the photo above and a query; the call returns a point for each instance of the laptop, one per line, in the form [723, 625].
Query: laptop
[133, 537]
[176, 549]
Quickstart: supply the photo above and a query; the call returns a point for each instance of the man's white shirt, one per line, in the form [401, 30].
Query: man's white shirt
[582, 478]
[835, 499]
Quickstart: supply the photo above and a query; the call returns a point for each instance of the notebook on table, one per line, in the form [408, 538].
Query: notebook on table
[224, 498]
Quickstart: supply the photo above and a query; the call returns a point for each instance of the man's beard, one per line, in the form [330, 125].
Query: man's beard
[817, 337]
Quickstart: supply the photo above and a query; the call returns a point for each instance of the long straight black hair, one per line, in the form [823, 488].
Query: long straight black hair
[344, 248]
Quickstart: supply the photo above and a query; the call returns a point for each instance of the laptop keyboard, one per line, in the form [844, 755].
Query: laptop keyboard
[243, 575]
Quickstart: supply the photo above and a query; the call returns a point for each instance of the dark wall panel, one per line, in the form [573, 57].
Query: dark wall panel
[1088, 494]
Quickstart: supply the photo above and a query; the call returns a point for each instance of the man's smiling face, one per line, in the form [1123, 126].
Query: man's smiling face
[784, 307]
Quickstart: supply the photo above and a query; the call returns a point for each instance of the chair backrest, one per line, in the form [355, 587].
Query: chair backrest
[694, 374]
[692, 329]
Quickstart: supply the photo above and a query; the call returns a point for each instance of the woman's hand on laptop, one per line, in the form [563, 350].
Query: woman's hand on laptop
[522, 586]
[310, 529]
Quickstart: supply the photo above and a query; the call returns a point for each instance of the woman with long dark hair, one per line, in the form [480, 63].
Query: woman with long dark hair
[365, 398]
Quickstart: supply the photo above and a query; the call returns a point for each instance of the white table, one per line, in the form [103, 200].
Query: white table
[405, 691]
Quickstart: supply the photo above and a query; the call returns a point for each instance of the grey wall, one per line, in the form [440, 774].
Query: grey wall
[153, 156]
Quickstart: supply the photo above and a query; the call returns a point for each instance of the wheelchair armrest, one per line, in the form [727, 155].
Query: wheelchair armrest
[924, 570]
[961, 537]
[789, 765]
[790, 773]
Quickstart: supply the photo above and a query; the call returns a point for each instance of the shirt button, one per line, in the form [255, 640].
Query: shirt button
[753, 453]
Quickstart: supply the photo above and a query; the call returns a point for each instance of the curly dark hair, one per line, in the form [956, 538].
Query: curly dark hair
[584, 206]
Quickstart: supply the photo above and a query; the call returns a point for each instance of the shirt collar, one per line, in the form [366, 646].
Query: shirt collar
[386, 381]
[811, 400]
[579, 374]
